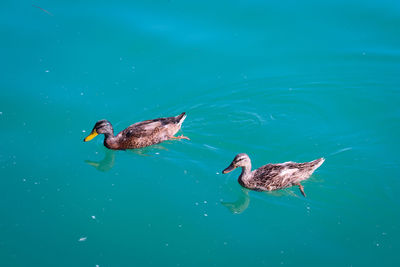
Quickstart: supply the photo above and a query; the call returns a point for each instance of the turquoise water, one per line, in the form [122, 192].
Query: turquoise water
[279, 80]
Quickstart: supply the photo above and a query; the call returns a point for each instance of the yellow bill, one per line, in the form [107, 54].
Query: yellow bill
[92, 135]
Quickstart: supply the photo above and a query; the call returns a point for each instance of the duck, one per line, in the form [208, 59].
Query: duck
[273, 176]
[140, 134]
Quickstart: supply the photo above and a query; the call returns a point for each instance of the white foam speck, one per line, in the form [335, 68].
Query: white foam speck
[82, 93]
[83, 131]
[82, 239]
[157, 153]
[197, 203]
[93, 217]
[46, 71]
[205, 214]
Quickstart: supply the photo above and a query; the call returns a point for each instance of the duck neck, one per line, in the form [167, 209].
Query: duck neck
[246, 170]
[110, 141]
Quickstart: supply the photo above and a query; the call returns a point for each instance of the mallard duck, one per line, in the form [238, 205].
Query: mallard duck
[140, 134]
[273, 176]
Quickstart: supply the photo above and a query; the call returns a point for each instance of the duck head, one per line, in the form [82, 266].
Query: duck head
[101, 127]
[241, 160]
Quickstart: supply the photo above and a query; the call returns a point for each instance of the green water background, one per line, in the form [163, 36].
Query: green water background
[279, 80]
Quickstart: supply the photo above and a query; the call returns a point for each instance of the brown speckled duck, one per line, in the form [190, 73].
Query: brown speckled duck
[273, 176]
[141, 134]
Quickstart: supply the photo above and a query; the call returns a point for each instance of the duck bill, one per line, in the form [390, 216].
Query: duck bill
[229, 169]
[92, 135]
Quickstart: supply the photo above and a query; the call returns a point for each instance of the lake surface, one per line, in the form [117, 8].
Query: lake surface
[278, 80]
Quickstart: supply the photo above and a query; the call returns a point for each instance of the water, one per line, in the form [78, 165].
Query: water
[279, 80]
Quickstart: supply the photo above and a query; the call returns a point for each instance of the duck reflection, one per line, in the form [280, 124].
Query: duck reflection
[106, 164]
[239, 205]
[243, 201]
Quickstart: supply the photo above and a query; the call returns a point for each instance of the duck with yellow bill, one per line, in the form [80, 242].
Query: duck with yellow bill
[140, 134]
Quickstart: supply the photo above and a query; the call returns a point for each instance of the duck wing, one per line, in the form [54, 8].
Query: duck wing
[145, 128]
[151, 127]
[268, 177]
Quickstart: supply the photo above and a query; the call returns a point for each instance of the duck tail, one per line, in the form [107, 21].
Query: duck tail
[317, 163]
[180, 118]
